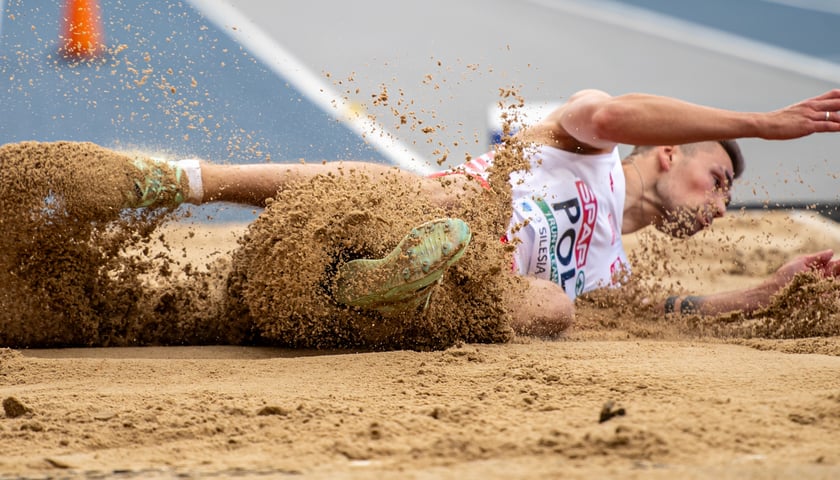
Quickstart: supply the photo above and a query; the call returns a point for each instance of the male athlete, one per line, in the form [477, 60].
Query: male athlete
[573, 206]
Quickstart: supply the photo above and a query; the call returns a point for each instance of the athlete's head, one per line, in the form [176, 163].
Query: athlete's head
[694, 185]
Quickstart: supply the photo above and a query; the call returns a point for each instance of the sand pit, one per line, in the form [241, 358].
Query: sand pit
[697, 402]
[456, 394]
[527, 410]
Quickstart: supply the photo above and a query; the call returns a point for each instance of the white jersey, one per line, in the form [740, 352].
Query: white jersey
[572, 207]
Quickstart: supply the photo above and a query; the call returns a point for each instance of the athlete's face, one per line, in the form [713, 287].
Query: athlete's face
[695, 189]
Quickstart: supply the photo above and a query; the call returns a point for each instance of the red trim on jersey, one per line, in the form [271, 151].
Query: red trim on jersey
[474, 168]
[589, 205]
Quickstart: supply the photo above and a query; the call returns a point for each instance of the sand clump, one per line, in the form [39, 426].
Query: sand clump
[313, 226]
[309, 228]
[76, 266]
[60, 236]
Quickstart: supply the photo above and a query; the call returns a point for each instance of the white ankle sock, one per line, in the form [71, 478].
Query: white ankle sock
[192, 168]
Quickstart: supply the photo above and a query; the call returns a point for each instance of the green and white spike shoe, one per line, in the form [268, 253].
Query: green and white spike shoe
[403, 280]
[159, 185]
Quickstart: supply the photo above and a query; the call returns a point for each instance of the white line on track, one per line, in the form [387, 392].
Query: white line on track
[825, 6]
[689, 33]
[283, 63]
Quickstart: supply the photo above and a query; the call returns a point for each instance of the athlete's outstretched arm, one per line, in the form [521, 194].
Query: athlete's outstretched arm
[599, 120]
[751, 299]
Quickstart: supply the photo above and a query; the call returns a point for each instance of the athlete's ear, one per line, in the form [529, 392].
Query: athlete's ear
[665, 156]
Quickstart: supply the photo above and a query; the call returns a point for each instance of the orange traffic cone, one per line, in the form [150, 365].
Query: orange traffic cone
[82, 35]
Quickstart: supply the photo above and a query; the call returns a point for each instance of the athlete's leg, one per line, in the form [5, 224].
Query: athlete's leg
[393, 284]
[168, 183]
[253, 184]
[544, 311]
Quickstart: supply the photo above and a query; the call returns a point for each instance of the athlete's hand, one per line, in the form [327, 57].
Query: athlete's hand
[803, 118]
[820, 262]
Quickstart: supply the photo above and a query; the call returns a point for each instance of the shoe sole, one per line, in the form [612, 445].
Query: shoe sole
[417, 262]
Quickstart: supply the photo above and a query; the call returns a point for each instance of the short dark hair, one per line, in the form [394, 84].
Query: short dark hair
[734, 152]
[730, 146]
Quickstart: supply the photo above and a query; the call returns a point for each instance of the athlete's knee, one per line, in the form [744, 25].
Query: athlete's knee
[549, 320]
[546, 311]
